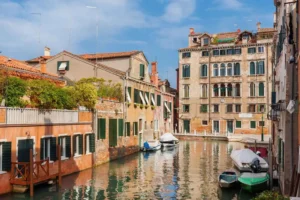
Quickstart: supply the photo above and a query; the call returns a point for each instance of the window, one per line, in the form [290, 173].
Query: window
[229, 69]
[158, 100]
[142, 70]
[128, 94]
[252, 68]
[135, 128]
[205, 53]
[140, 124]
[238, 108]
[77, 144]
[186, 54]
[145, 125]
[261, 123]
[238, 124]
[101, 128]
[222, 52]
[251, 50]
[186, 126]
[236, 69]
[204, 91]
[216, 52]
[186, 91]
[141, 98]
[252, 124]
[204, 108]
[147, 98]
[120, 127]
[194, 39]
[151, 124]
[260, 49]
[216, 108]
[186, 108]
[89, 143]
[261, 89]
[222, 70]
[216, 70]
[204, 122]
[230, 51]
[185, 71]
[261, 108]
[48, 148]
[260, 68]
[65, 144]
[127, 129]
[252, 90]
[238, 51]
[203, 71]
[63, 65]
[229, 90]
[216, 90]
[237, 90]
[136, 98]
[5, 156]
[251, 108]
[206, 41]
[229, 108]
[223, 90]
[216, 127]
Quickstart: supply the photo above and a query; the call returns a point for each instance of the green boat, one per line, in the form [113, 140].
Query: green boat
[254, 182]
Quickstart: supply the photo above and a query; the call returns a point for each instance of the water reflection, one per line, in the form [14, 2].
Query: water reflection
[187, 172]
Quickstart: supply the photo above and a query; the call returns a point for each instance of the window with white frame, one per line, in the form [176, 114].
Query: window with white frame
[90, 143]
[216, 70]
[260, 49]
[65, 144]
[45, 148]
[142, 97]
[77, 144]
[222, 70]
[5, 156]
[229, 69]
[252, 89]
[204, 91]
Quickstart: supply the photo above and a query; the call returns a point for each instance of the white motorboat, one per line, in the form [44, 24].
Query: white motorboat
[151, 145]
[243, 159]
[168, 140]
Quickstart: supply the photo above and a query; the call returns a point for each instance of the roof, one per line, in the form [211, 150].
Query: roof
[227, 35]
[263, 30]
[37, 59]
[109, 55]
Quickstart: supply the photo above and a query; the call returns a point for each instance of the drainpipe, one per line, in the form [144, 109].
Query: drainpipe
[209, 90]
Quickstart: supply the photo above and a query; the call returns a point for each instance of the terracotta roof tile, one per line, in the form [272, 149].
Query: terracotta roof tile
[109, 55]
[227, 35]
[266, 30]
[37, 59]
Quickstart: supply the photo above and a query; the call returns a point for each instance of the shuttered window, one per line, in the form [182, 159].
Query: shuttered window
[127, 125]
[152, 100]
[185, 71]
[261, 89]
[120, 127]
[238, 124]
[136, 96]
[89, 143]
[77, 144]
[128, 94]
[101, 128]
[170, 107]
[142, 70]
[252, 124]
[252, 68]
[135, 128]
[113, 137]
[48, 148]
[5, 156]
[65, 145]
[158, 100]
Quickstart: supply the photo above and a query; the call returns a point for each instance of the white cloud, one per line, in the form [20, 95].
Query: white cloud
[228, 4]
[177, 10]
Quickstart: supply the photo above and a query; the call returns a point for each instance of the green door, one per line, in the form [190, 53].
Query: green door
[186, 126]
[230, 126]
[24, 147]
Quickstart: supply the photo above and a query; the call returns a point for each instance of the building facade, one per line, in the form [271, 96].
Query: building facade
[224, 82]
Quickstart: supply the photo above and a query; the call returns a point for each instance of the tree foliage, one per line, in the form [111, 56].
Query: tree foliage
[266, 195]
[14, 90]
[85, 95]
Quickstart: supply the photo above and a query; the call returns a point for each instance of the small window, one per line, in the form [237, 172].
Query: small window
[216, 90]
[229, 51]
[5, 156]
[186, 71]
[186, 54]
[77, 144]
[90, 143]
[216, 108]
[222, 70]
[186, 91]
[205, 53]
[260, 49]
[223, 90]
[261, 89]
[127, 129]
[186, 108]
[65, 143]
[140, 124]
[135, 128]
[194, 39]
[142, 70]
[203, 71]
[204, 122]
[252, 68]
[216, 70]
[238, 124]
[216, 52]
[206, 41]
[238, 108]
[204, 108]
[48, 148]
[261, 123]
[251, 50]
[236, 69]
[229, 90]
[260, 68]
[229, 108]
[145, 125]
[238, 51]
[251, 108]
[63, 65]
[252, 90]
[237, 90]
[222, 52]
[252, 124]
[229, 69]
[204, 91]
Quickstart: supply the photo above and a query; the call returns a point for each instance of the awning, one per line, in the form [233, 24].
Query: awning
[128, 96]
[62, 66]
[146, 98]
[142, 98]
[152, 99]
[166, 105]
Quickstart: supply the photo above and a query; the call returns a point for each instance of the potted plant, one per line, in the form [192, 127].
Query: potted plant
[152, 107]
[146, 106]
[136, 105]
[141, 106]
[128, 104]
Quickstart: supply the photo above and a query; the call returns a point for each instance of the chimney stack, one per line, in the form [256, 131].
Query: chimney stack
[192, 31]
[154, 74]
[46, 51]
[43, 66]
[239, 31]
[258, 25]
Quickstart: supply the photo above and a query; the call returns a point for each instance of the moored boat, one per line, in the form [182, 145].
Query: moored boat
[228, 179]
[168, 140]
[254, 182]
[151, 145]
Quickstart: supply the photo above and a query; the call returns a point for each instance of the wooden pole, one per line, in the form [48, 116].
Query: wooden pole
[270, 153]
[31, 172]
[296, 185]
[59, 165]
[292, 180]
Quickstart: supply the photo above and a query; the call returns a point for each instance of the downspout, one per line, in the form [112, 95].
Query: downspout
[209, 90]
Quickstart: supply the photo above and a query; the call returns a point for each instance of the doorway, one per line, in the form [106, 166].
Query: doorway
[24, 146]
[230, 126]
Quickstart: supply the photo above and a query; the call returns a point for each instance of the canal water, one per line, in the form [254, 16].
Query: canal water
[189, 171]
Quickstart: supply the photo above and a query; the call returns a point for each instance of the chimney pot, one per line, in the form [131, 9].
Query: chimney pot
[47, 51]
[43, 66]
[239, 30]
[192, 31]
[258, 25]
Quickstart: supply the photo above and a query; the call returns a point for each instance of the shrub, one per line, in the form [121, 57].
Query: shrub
[85, 95]
[14, 90]
[266, 195]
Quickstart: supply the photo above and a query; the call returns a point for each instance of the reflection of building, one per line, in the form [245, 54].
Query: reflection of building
[285, 93]
[224, 81]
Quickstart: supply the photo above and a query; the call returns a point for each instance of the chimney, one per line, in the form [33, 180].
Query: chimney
[43, 66]
[258, 25]
[46, 51]
[239, 30]
[154, 74]
[192, 31]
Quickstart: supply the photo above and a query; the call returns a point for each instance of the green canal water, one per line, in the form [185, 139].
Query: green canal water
[189, 171]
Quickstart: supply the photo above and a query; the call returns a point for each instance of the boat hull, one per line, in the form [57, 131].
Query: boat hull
[254, 184]
[158, 147]
[228, 179]
[255, 188]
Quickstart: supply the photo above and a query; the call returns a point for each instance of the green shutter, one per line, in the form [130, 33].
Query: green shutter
[158, 100]
[101, 128]
[142, 70]
[92, 142]
[252, 68]
[127, 126]
[165, 111]
[238, 124]
[120, 121]
[74, 144]
[183, 71]
[253, 124]
[80, 144]
[136, 128]
[113, 132]
[68, 146]
[42, 149]
[6, 156]
[136, 96]
[188, 71]
[147, 94]
[53, 156]
[279, 150]
[129, 92]
[261, 89]
[170, 107]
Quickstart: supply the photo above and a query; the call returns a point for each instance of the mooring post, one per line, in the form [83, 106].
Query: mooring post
[59, 165]
[31, 172]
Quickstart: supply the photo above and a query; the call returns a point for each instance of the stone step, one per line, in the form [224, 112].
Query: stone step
[20, 188]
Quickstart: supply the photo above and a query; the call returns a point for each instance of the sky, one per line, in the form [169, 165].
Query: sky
[156, 27]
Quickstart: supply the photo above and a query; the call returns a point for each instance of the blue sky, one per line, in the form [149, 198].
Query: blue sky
[157, 27]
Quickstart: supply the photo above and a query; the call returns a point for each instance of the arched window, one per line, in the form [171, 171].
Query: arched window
[222, 70]
[204, 91]
[203, 71]
[216, 90]
[216, 70]
[237, 90]
[252, 90]
[186, 91]
[252, 68]
[229, 69]
[223, 90]
[260, 67]
[261, 89]
[236, 70]
[229, 90]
